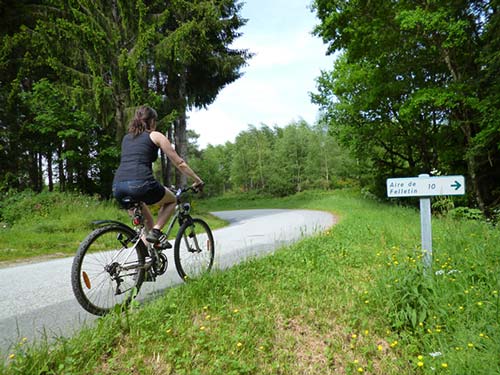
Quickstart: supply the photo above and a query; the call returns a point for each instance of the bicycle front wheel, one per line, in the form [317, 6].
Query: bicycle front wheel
[108, 268]
[194, 249]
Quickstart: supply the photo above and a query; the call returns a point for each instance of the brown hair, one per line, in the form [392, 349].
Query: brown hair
[143, 120]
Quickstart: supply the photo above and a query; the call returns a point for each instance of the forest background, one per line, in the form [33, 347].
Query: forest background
[415, 89]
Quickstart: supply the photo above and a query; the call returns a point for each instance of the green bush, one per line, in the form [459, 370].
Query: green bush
[466, 213]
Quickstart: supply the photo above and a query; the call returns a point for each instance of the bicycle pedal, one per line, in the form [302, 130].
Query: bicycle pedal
[164, 245]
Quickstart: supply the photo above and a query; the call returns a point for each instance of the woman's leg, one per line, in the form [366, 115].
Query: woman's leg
[166, 210]
[148, 218]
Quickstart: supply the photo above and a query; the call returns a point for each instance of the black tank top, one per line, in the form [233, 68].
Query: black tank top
[138, 155]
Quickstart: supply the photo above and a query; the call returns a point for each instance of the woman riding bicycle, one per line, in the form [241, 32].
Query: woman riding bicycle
[134, 177]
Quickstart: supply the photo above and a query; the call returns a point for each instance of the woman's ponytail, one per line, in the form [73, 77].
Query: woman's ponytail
[143, 120]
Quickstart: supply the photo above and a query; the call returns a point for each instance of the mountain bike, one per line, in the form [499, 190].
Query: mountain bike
[114, 260]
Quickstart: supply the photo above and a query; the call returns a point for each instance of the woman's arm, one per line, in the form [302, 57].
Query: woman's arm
[161, 141]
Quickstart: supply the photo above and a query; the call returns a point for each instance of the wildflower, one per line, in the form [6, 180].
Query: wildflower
[360, 369]
[480, 304]
[461, 308]
[205, 308]
[421, 324]
[355, 361]
[380, 348]
[169, 330]
[420, 357]
[435, 354]
[202, 328]
[481, 335]
[420, 364]
[236, 311]
[367, 301]
[354, 336]
[207, 317]
[261, 347]
[444, 365]
[470, 345]
[12, 356]
[239, 344]
[394, 343]
[366, 332]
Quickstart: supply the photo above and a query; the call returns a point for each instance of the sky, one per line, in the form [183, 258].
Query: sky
[275, 86]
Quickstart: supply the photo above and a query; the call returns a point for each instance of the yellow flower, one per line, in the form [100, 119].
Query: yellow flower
[470, 345]
[236, 311]
[207, 317]
[394, 343]
[480, 304]
[202, 328]
[444, 365]
[366, 332]
[205, 307]
[420, 357]
[354, 335]
[360, 369]
[481, 335]
[380, 348]
[420, 364]
[12, 356]
[239, 345]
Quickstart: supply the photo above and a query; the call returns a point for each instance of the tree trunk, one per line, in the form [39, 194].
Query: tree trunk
[62, 176]
[180, 126]
[472, 168]
[181, 146]
[49, 171]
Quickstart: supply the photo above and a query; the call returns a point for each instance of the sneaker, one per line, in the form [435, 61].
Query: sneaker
[156, 237]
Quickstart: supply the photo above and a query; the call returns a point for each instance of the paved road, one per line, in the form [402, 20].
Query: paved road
[36, 300]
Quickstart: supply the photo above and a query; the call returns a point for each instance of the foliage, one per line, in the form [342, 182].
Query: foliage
[413, 88]
[278, 161]
[73, 73]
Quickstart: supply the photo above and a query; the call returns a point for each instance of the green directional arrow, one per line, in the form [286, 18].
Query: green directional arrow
[456, 185]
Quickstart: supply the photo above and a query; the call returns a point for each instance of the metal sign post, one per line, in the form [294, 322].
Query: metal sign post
[425, 187]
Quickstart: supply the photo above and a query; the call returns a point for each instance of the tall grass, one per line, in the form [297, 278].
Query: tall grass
[353, 300]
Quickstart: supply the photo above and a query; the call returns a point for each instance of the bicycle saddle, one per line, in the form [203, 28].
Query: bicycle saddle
[128, 202]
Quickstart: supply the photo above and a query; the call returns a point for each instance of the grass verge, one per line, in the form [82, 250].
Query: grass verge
[353, 300]
[38, 226]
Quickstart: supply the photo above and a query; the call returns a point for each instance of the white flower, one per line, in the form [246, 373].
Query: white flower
[440, 272]
[435, 354]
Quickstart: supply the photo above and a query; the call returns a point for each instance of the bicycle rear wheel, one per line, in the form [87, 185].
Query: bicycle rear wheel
[194, 249]
[107, 269]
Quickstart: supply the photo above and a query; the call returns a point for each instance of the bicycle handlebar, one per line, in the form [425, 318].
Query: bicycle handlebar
[194, 189]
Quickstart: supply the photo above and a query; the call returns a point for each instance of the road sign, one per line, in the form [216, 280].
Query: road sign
[425, 186]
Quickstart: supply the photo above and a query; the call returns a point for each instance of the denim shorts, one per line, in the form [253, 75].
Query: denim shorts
[147, 191]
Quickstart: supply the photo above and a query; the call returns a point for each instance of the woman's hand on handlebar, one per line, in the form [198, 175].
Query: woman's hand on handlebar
[198, 186]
